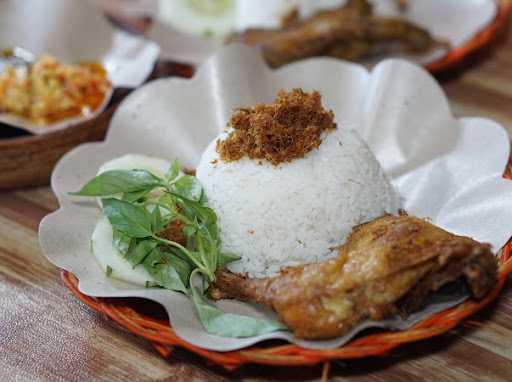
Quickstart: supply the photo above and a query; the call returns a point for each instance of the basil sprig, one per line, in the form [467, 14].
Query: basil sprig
[119, 181]
[140, 206]
[216, 322]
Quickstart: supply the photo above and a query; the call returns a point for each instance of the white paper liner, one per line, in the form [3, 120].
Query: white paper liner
[74, 31]
[449, 170]
[454, 21]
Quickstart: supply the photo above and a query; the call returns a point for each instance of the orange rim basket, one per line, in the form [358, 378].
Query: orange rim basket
[163, 337]
[477, 42]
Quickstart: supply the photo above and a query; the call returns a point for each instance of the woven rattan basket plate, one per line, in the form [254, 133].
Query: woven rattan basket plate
[162, 336]
[455, 56]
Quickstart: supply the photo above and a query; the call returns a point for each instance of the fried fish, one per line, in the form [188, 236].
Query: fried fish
[350, 32]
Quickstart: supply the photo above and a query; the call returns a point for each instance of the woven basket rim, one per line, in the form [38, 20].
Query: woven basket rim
[160, 333]
[163, 337]
[482, 38]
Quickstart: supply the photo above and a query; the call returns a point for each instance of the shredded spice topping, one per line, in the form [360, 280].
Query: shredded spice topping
[279, 132]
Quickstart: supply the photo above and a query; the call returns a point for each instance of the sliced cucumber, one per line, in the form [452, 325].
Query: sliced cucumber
[107, 255]
[102, 245]
[209, 18]
[156, 166]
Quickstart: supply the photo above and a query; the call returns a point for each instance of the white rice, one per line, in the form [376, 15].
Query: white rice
[296, 212]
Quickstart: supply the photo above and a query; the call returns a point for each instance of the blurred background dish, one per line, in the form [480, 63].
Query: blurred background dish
[45, 95]
[453, 21]
[62, 62]
[76, 31]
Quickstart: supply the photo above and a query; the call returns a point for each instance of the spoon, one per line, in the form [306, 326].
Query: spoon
[15, 56]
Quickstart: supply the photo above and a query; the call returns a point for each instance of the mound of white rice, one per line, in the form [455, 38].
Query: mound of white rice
[298, 211]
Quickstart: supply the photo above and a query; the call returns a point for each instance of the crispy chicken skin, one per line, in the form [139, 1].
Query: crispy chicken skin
[387, 266]
[350, 32]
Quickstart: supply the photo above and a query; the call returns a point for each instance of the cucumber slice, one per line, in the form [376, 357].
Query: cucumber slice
[156, 166]
[107, 255]
[208, 18]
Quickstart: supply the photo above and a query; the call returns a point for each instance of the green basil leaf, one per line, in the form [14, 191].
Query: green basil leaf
[177, 253]
[209, 251]
[189, 231]
[135, 195]
[210, 231]
[118, 181]
[108, 271]
[182, 267]
[157, 223]
[226, 258]
[203, 200]
[195, 255]
[218, 323]
[167, 199]
[168, 271]
[150, 284]
[169, 202]
[189, 187]
[139, 252]
[121, 241]
[173, 171]
[127, 218]
[193, 210]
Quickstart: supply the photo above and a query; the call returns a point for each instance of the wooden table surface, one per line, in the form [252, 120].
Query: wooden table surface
[47, 335]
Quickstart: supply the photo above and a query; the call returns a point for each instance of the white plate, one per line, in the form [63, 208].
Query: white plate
[447, 169]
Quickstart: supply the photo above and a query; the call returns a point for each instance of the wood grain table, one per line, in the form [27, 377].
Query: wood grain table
[47, 335]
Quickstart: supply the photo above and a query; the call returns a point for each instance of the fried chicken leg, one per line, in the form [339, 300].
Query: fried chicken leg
[387, 266]
[350, 32]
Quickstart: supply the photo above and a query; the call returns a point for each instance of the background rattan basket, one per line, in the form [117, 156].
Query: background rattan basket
[456, 56]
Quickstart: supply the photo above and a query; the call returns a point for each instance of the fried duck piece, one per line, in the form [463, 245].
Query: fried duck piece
[402, 4]
[387, 266]
[350, 32]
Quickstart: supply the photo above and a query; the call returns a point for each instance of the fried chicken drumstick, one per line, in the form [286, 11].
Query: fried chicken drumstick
[387, 266]
[349, 32]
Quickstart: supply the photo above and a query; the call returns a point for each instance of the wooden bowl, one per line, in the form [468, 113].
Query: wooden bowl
[28, 160]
